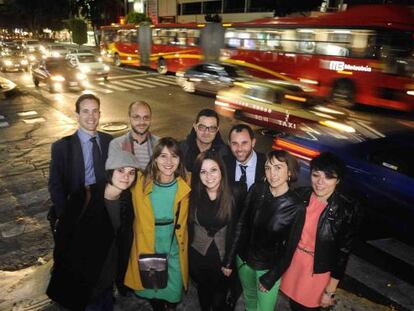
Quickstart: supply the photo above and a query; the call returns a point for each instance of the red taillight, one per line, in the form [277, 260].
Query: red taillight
[295, 149]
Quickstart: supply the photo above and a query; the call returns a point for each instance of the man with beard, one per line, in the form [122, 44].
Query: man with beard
[139, 141]
[244, 164]
[204, 136]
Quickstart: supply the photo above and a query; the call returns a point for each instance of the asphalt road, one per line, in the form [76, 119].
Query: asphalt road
[32, 118]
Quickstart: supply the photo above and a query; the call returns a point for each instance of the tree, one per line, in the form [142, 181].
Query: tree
[136, 18]
[99, 12]
[79, 30]
[35, 15]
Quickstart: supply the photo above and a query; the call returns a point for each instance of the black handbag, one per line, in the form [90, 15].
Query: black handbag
[153, 268]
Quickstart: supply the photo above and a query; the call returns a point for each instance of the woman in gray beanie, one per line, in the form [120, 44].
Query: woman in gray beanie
[98, 251]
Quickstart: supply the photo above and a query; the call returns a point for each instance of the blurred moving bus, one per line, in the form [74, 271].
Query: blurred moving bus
[171, 46]
[363, 55]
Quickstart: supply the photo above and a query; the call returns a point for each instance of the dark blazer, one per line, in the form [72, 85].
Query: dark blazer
[67, 171]
[230, 162]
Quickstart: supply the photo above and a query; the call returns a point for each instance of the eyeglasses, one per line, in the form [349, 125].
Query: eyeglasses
[210, 129]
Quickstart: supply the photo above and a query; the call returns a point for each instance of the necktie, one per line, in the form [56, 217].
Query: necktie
[97, 161]
[243, 177]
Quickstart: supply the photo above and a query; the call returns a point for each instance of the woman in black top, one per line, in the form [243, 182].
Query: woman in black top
[263, 230]
[98, 241]
[214, 207]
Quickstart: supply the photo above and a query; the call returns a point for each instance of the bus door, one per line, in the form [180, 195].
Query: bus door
[144, 44]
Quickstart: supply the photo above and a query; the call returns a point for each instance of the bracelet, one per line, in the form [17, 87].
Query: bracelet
[329, 294]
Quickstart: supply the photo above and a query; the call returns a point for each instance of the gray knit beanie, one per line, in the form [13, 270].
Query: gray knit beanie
[121, 159]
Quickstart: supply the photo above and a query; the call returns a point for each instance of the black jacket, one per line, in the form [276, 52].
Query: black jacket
[82, 247]
[336, 232]
[239, 193]
[190, 149]
[230, 162]
[264, 228]
[67, 171]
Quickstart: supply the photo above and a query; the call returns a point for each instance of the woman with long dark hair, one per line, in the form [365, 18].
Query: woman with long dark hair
[157, 196]
[263, 230]
[214, 209]
[322, 239]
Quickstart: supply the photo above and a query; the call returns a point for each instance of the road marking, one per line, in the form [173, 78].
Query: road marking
[34, 120]
[125, 83]
[163, 81]
[27, 113]
[138, 82]
[124, 76]
[4, 124]
[114, 87]
[173, 79]
[152, 82]
[100, 90]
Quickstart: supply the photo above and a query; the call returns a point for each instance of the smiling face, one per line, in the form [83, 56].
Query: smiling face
[88, 116]
[167, 163]
[210, 175]
[322, 185]
[277, 175]
[140, 118]
[122, 178]
[242, 145]
[206, 130]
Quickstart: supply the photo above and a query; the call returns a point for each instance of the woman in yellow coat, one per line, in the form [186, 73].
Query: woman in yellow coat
[156, 197]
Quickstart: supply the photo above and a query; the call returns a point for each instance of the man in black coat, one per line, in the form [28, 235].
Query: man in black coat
[244, 164]
[77, 174]
[204, 136]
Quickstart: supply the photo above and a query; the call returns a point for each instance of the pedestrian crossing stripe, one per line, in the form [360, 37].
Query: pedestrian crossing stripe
[140, 83]
[114, 87]
[172, 79]
[130, 83]
[124, 84]
[156, 82]
[163, 81]
[124, 76]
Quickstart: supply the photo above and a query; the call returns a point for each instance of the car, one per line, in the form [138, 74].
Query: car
[267, 103]
[380, 171]
[58, 74]
[209, 78]
[55, 50]
[89, 64]
[13, 59]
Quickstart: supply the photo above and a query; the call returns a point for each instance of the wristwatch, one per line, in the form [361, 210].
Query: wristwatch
[329, 294]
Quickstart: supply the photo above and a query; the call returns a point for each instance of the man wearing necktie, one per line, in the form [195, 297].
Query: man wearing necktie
[246, 166]
[77, 168]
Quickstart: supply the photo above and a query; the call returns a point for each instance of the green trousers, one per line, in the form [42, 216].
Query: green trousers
[254, 299]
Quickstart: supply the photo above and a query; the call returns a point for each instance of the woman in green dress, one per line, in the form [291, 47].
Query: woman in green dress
[158, 194]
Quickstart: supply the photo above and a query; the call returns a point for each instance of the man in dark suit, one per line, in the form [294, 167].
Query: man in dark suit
[77, 164]
[77, 173]
[244, 164]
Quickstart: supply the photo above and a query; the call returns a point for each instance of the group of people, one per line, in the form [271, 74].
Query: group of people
[226, 215]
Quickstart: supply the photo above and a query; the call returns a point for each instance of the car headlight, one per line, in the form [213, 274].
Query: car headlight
[8, 62]
[85, 69]
[32, 58]
[80, 76]
[106, 68]
[24, 62]
[55, 54]
[57, 78]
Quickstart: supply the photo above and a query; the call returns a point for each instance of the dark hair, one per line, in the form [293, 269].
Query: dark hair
[239, 128]
[151, 172]
[85, 97]
[207, 113]
[224, 195]
[139, 103]
[330, 164]
[110, 173]
[290, 160]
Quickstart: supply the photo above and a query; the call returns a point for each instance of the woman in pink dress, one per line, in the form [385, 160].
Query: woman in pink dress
[322, 241]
